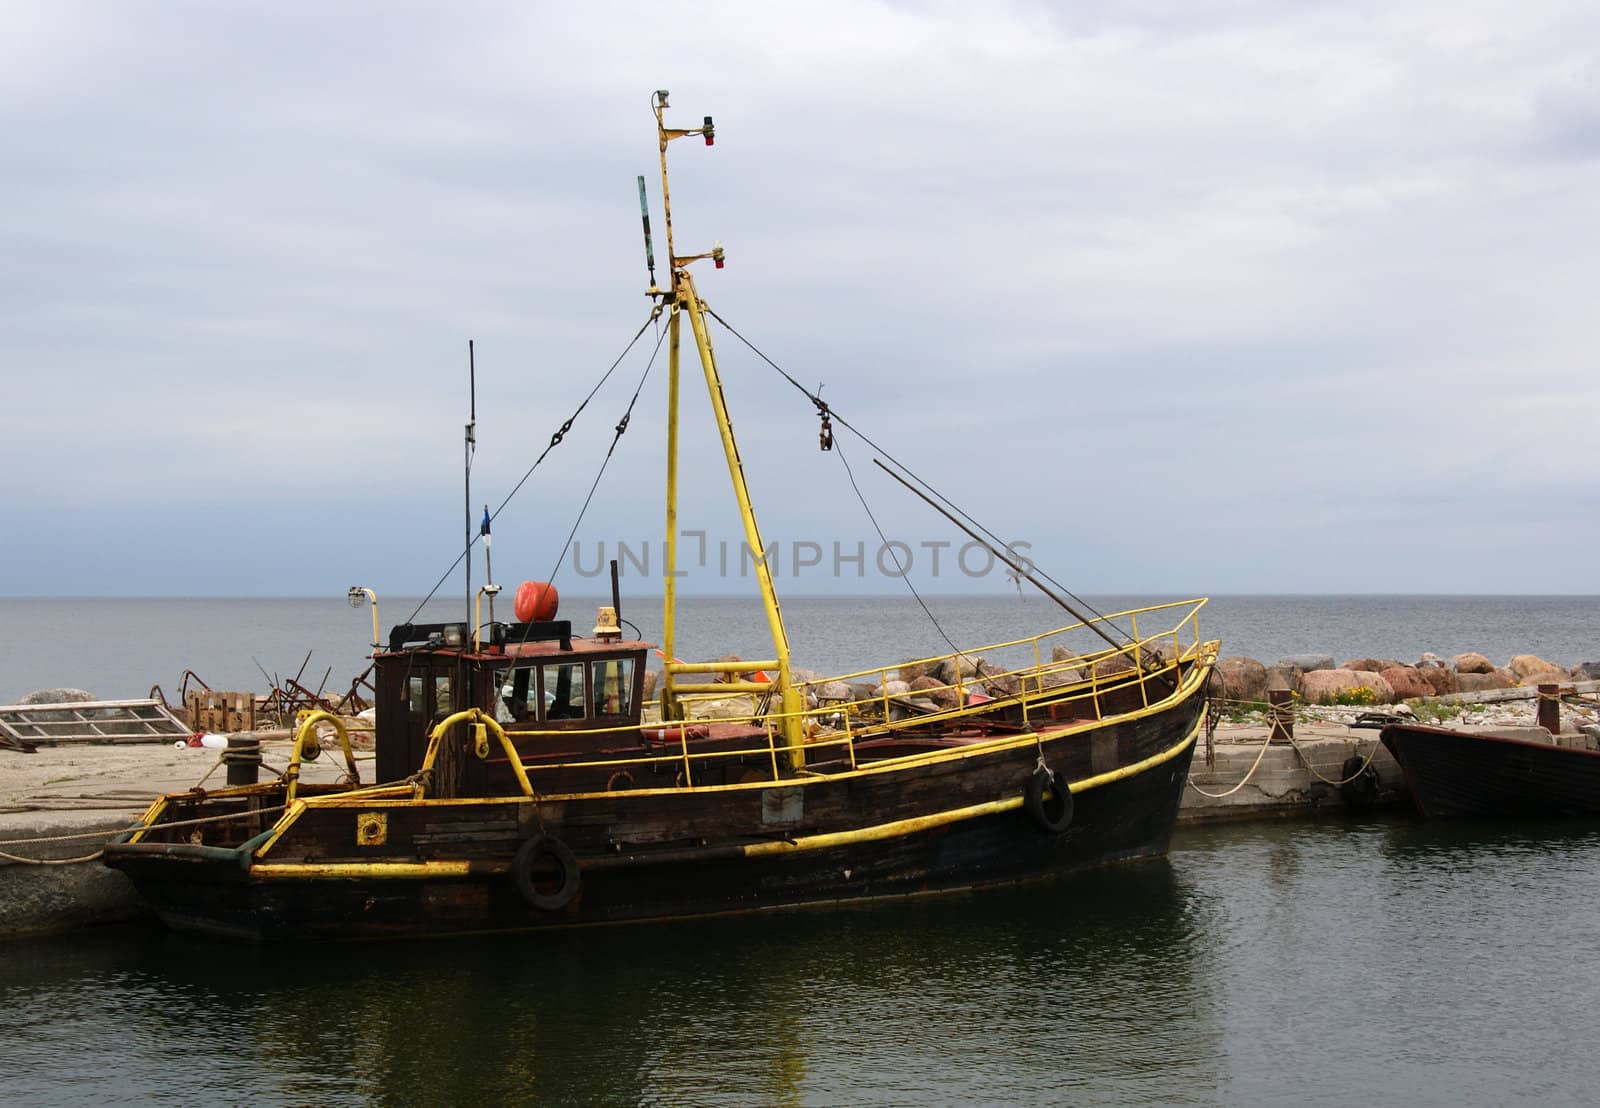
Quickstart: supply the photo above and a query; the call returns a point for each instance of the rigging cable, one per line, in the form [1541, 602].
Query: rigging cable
[621, 429]
[555, 441]
[904, 573]
[827, 411]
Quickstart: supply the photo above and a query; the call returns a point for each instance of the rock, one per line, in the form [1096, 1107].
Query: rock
[1534, 670]
[861, 691]
[1059, 676]
[1382, 691]
[895, 688]
[651, 678]
[1482, 682]
[931, 689]
[1324, 686]
[1160, 653]
[1429, 659]
[1472, 663]
[1407, 681]
[1587, 671]
[996, 681]
[1441, 680]
[731, 675]
[910, 671]
[802, 676]
[834, 691]
[1242, 678]
[1308, 663]
[947, 674]
[58, 696]
[1283, 677]
[1062, 653]
[1371, 665]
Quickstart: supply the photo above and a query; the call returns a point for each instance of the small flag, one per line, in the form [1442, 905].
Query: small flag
[484, 528]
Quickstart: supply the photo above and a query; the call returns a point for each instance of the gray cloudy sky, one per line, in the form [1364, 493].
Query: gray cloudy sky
[1193, 297]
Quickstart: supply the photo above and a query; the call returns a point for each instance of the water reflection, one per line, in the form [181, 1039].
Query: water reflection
[1088, 984]
[1334, 962]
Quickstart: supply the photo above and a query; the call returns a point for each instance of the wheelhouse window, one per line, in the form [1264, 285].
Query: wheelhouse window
[518, 701]
[564, 691]
[613, 687]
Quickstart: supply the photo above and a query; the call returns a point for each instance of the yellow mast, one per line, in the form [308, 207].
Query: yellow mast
[683, 298]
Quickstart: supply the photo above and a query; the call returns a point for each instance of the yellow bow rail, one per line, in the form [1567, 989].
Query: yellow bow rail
[308, 747]
[1080, 680]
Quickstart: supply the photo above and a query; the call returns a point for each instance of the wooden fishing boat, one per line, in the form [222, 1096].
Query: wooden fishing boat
[521, 783]
[1460, 773]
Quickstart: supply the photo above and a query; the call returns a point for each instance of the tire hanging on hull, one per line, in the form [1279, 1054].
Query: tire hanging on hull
[1052, 813]
[551, 850]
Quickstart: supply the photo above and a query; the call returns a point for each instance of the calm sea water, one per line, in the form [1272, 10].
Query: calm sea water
[1385, 962]
[121, 647]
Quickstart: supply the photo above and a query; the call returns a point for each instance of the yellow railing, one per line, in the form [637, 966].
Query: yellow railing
[1075, 678]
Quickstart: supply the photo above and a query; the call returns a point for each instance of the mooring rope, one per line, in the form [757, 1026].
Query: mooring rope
[1289, 712]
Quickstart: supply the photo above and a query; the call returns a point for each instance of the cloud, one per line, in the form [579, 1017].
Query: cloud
[1143, 281]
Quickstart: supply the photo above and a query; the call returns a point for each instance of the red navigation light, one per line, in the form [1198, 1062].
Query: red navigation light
[710, 132]
[718, 260]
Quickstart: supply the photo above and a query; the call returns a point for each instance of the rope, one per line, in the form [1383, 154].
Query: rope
[1293, 711]
[904, 574]
[621, 429]
[555, 441]
[828, 412]
[1254, 766]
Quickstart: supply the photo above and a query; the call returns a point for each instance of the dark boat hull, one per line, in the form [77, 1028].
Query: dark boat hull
[1452, 773]
[837, 850]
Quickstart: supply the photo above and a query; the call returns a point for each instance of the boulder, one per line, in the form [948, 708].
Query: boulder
[1429, 659]
[1324, 686]
[1587, 671]
[996, 681]
[1060, 652]
[1472, 663]
[834, 691]
[1283, 677]
[1371, 665]
[1113, 665]
[651, 677]
[1483, 682]
[947, 671]
[1382, 691]
[910, 671]
[1242, 678]
[1441, 680]
[1534, 670]
[1308, 663]
[931, 688]
[58, 696]
[896, 688]
[1407, 681]
[1160, 654]
[861, 691]
[731, 675]
[1054, 678]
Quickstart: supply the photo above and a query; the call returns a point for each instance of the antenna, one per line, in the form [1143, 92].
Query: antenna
[649, 249]
[470, 446]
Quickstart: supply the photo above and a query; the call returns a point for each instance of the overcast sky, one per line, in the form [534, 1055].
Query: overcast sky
[1191, 297]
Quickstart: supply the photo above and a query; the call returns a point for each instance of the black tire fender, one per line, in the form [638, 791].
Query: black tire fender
[550, 849]
[1052, 814]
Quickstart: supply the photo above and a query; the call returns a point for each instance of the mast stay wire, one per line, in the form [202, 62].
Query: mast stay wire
[824, 408]
[621, 429]
[905, 574]
[555, 441]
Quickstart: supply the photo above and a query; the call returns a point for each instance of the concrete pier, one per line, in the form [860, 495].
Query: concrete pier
[63, 792]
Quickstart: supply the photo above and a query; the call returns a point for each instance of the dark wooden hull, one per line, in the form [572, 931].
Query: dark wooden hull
[1452, 773]
[955, 821]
